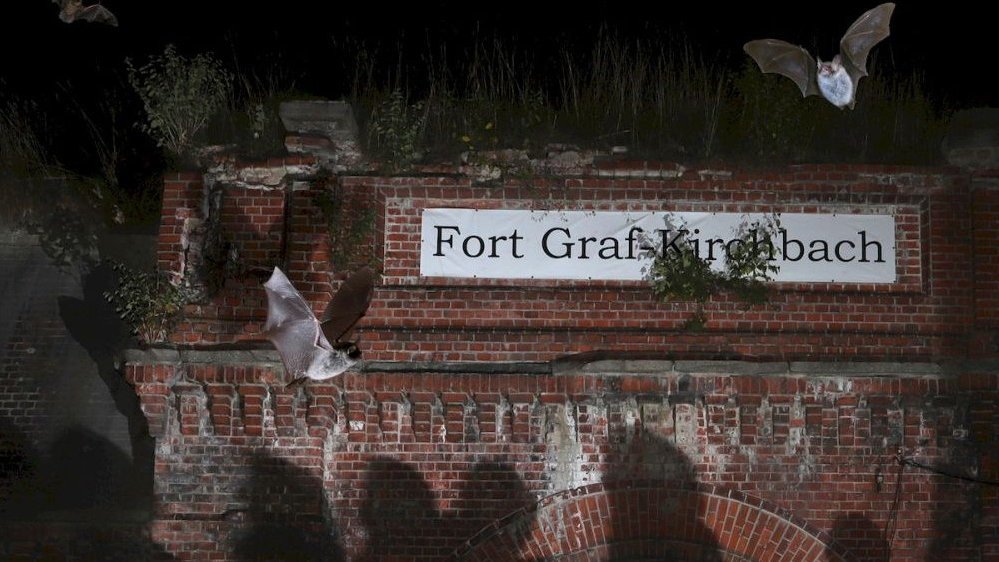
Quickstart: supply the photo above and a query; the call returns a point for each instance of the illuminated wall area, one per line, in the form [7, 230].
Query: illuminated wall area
[548, 414]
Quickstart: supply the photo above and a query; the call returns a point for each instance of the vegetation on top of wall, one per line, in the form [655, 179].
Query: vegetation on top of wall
[661, 99]
[179, 96]
[248, 124]
[69, 210]
[395, 128]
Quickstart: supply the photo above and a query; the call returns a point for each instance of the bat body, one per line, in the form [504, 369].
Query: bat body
[835, 80]
[310, 348]
[74, 10]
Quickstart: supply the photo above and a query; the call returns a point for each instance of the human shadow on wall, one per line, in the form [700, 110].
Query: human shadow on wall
[859, 536]
[287, 515]
[399, 512]
[652, 458]
[958, 510]
[78, 481]
[492, 491]
[82, 472]
[401, 516]
[94, 325]
[17, 468]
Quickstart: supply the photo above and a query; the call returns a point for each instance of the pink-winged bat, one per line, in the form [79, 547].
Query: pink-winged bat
[74, 10]
[836, 80]
[308, 347]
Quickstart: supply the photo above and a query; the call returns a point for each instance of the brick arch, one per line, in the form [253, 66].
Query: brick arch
[645, 521]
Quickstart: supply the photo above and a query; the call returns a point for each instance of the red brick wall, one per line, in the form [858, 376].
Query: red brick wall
[985, 218]
[940, 307]
[423, 466]
[460, 439]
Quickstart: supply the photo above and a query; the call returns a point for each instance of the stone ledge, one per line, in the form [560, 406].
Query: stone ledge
[457, 367]
[872, 368]
[174, 356]
[582, 366]
[730, 368]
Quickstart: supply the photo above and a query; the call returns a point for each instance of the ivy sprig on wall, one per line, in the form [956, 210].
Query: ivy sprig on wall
[677, 273]
[350, 222]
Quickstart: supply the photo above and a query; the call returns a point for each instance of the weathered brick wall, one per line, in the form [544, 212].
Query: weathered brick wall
[945, 276]
[985, 214]
[468, 434]
[404, 466]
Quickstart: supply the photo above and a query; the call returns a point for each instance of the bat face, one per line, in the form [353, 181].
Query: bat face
[835, 80]
[830, 68]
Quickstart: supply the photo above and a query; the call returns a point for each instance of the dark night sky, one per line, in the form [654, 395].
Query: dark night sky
[38, 50]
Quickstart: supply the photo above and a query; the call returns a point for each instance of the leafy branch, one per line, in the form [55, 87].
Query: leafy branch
[397, 127]
[179, 95]
[678, 273]
[148, 302]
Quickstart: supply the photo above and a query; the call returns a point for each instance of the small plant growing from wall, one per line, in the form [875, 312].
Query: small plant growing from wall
[397, 128]
[148, 302]
[179, 96]
[678, 273]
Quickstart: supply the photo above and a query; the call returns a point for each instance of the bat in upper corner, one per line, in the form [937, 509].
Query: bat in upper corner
[74, 10]
[309, 347]
[835, 80]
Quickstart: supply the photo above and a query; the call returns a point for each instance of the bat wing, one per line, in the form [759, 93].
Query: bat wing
[781, 57]
[869, 30]
[349, 304]
[97, 14]
[294, 330]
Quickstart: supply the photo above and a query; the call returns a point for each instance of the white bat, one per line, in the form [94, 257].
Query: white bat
[310, 348]
[837, 79]
[74, 10]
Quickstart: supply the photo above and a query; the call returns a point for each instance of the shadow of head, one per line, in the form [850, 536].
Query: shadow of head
[399, 510]
[286, 513]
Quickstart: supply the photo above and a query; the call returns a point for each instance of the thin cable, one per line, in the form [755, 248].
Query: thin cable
[949, 474]
[892, 524]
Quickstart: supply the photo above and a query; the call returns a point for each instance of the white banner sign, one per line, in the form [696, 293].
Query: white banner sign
[515, 244]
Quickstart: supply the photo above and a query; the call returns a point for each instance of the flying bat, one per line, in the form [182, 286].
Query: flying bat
[837, 79]
[309, 347]
[74, 10]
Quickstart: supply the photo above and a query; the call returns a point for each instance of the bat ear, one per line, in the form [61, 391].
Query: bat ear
[837, 60]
